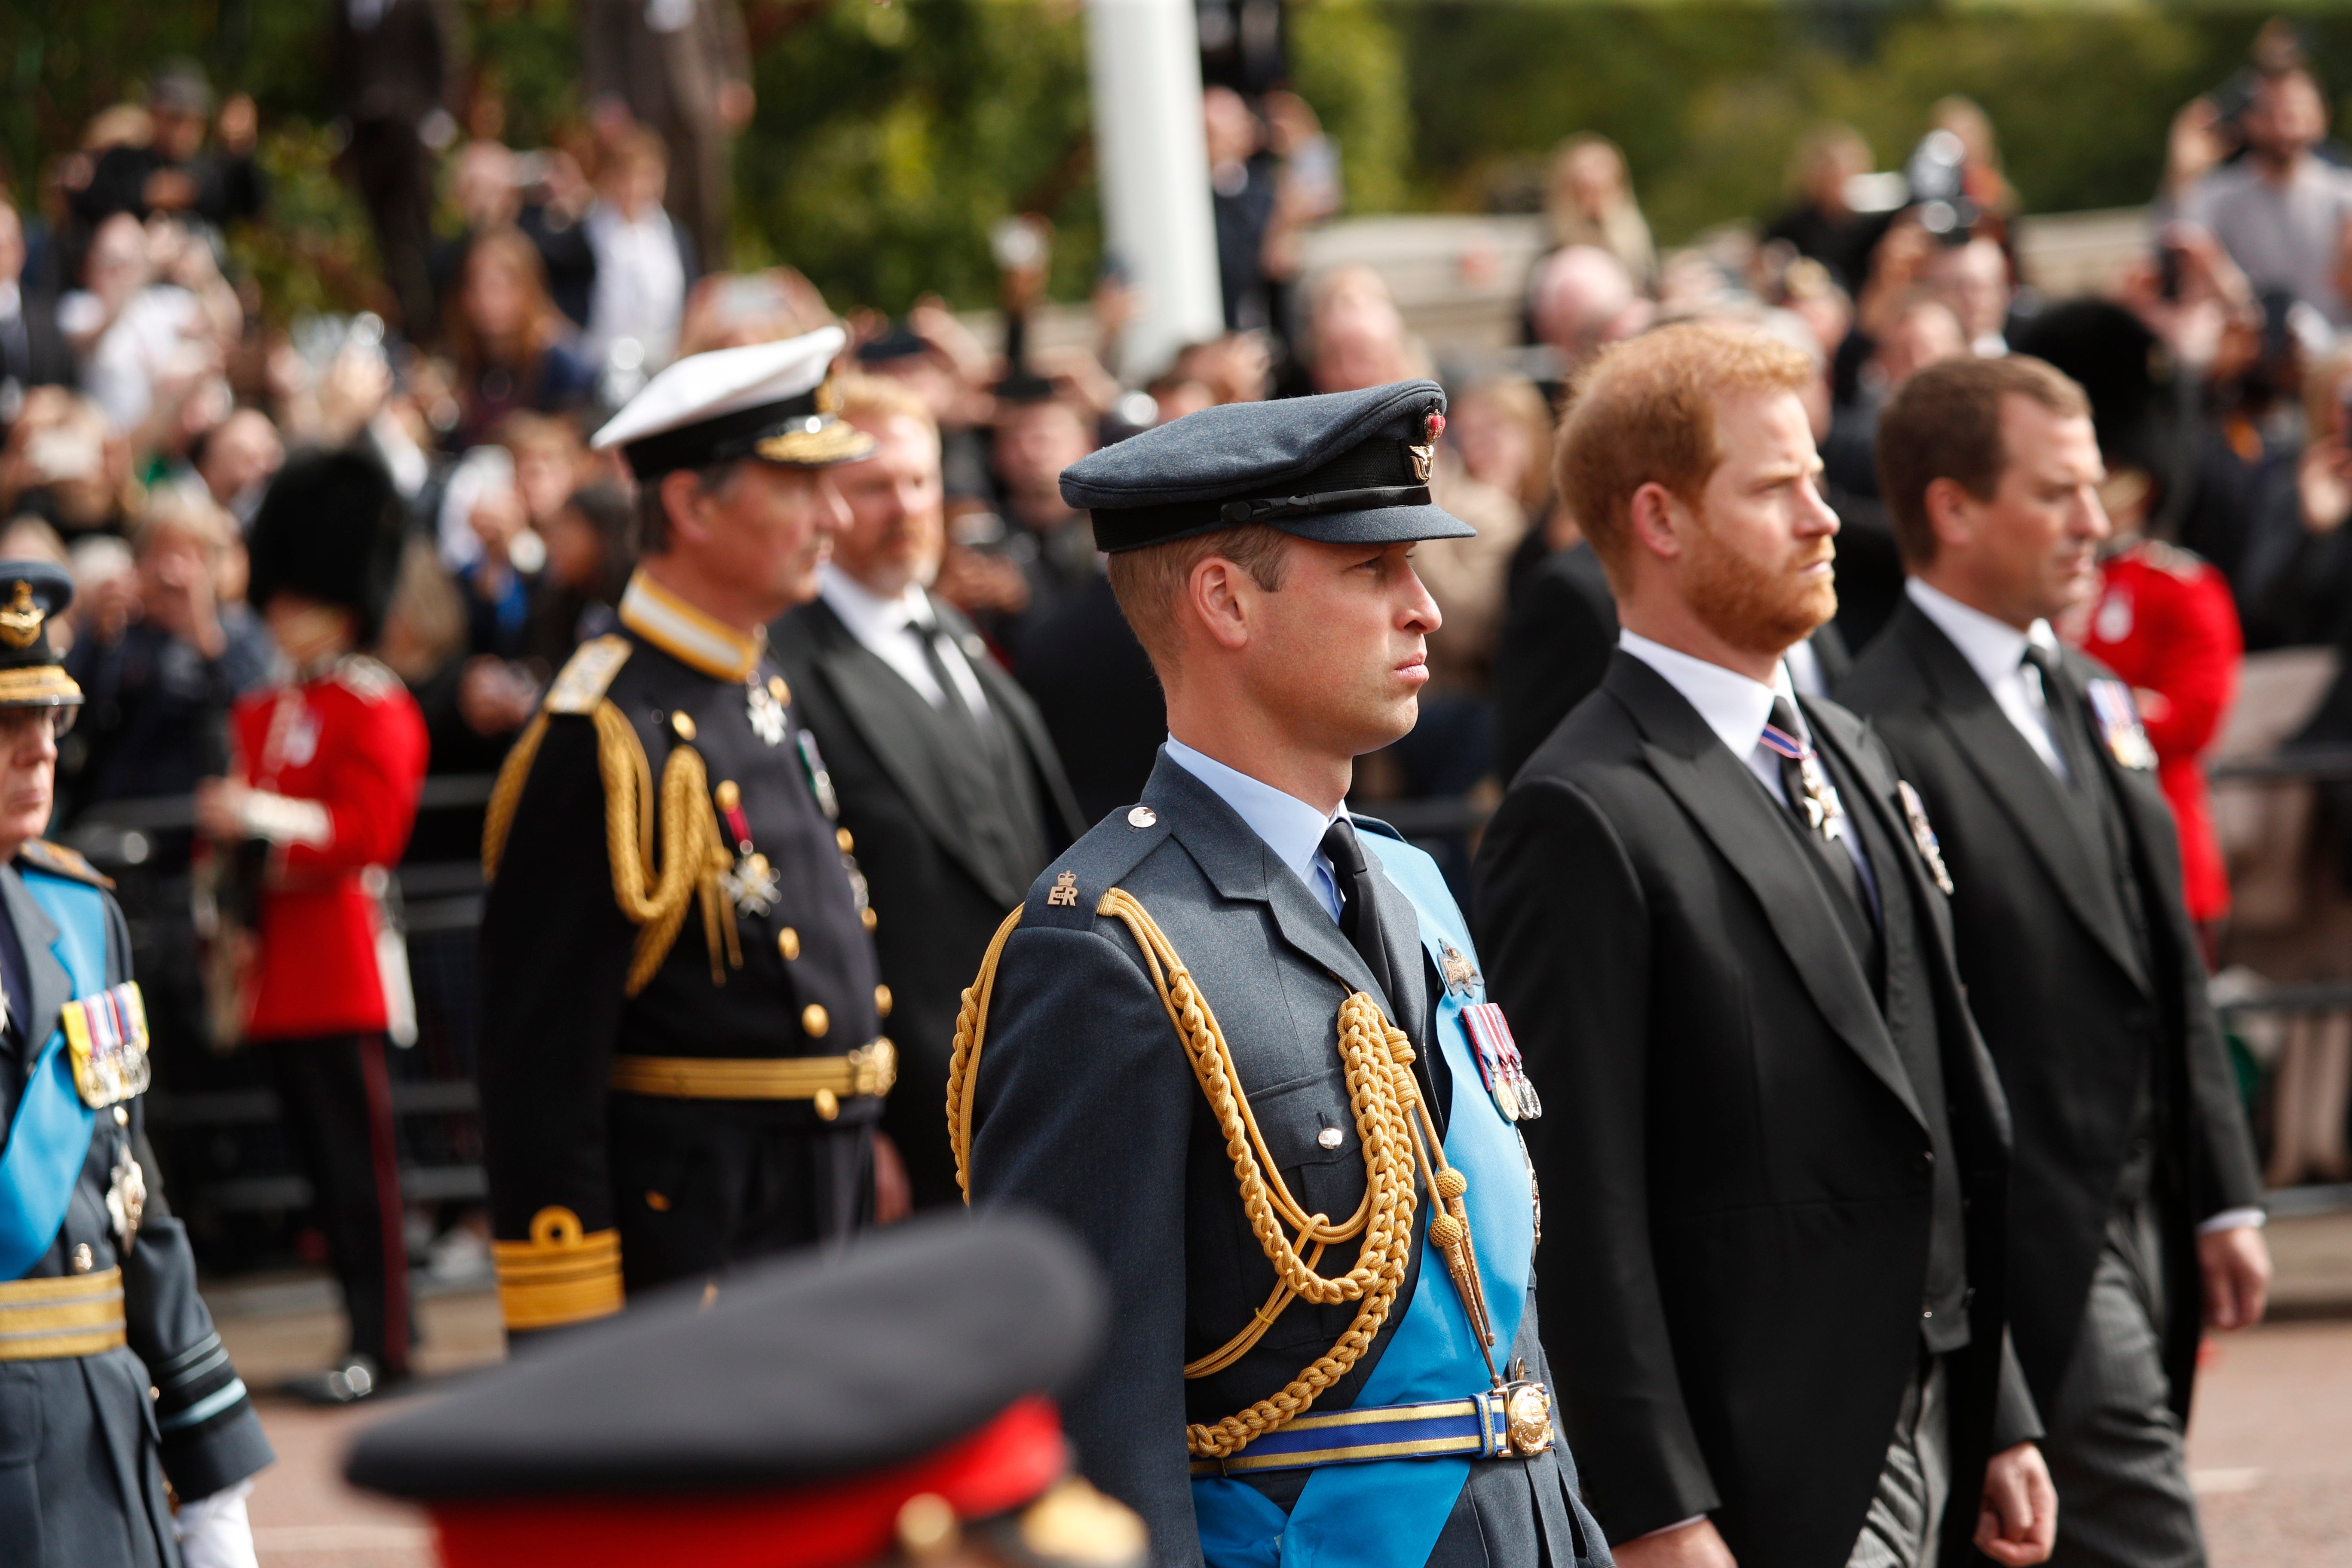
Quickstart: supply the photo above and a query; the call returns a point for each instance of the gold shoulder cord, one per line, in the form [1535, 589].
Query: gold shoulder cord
[692, 852]
[1398, 1140]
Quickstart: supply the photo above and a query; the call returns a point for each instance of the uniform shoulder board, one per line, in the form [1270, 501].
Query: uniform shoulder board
[587, 674]
[40, 855]
[367, 680]
[1094, 865]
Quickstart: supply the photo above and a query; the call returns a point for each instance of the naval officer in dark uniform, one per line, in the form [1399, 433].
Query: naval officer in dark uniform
[112, 1381]
[1239, 1040]
[682, 1056]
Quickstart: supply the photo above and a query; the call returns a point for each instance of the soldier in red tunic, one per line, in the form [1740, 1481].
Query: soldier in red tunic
[328, 767]
[2163, 620]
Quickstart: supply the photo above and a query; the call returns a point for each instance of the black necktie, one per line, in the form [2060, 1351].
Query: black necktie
[1803, 788]
[926, 631]
[1359, 916]
[2066, 730]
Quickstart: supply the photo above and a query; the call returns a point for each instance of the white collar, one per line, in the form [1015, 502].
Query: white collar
[867, 613]
[1993, 648]
[1292, 829]
[1736, 708]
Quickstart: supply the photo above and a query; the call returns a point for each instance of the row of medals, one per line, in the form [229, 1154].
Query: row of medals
[751, 882]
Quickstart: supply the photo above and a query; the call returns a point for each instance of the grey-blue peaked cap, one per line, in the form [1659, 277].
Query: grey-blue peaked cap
[1346, 467]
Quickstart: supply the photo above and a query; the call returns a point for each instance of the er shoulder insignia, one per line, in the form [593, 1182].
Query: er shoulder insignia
[584, 677]
[59, 861]
[1065, 893]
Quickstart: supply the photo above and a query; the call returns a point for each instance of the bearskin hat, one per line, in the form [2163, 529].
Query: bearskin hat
[329, 528]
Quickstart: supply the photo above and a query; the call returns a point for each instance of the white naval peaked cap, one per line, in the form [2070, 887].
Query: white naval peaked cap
[762, 400]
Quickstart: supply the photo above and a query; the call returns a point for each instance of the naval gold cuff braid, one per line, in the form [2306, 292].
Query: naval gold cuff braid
[1384, 1219]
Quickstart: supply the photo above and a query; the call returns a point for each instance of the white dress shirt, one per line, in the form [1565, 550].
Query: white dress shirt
[1996, 651]
[1736, 709]
[640, 288]
[887, 629]
[1292, 829]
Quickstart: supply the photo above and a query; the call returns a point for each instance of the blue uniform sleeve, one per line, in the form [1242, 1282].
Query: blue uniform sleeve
[1083, 1110]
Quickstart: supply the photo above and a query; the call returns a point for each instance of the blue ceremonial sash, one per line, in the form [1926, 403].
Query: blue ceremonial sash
[1389, 1513]
[49, 1137]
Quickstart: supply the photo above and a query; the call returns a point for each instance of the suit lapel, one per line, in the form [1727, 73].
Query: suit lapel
[1242, 866]
[1737, 816]
[1020, 717]
[45, 974]
[897, 723]
[2016, 776]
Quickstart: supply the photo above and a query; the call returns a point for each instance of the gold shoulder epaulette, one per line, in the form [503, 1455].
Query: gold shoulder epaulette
[587, 674]
[693, 852]
[59, 861]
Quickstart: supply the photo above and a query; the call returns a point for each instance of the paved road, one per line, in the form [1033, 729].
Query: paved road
[2269, 1449]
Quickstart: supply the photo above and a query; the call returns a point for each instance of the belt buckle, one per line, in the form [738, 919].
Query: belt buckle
[1525, 1427]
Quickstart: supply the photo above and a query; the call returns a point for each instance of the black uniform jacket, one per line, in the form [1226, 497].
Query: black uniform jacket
[1086, 1106]
[1736, 1171]
[946, 878]
[556, 951]
[80, 1437]
[2075, 1020]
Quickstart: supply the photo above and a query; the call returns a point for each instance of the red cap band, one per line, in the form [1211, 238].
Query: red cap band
[826, 1524]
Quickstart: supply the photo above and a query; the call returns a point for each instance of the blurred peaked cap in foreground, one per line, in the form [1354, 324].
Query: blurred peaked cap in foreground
[762, 400]
[812, 1366]
[1346, 467]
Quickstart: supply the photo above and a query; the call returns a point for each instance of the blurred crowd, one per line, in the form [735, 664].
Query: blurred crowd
[148, 393]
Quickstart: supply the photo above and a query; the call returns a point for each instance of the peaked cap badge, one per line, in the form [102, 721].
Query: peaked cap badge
[20, 623]
[1424, 456]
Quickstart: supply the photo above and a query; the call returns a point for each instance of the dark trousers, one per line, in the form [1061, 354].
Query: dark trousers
[396, 180]
[337, 1101]
[700, 1184]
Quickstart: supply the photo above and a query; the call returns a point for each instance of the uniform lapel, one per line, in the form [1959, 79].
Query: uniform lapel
[44, 975]
[2016, 776]
[902, 728]
[1241, 867]
[1733, 810]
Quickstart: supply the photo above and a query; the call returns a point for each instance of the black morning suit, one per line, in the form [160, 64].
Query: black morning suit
[1737, 1152]
[2083, 1012]
[953, 822]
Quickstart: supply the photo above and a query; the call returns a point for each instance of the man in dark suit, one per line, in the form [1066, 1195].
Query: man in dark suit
[682, 68]
[398, 65]
[2135, 1197]
[1710, 906]
[947, 784]
[1237, 1038]
[1558, 643]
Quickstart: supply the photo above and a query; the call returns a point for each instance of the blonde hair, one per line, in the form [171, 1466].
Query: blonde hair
[1643, 412]
[881, 397]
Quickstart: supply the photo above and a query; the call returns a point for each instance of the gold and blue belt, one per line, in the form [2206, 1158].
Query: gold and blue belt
[53, 1318]
[1513, 1422]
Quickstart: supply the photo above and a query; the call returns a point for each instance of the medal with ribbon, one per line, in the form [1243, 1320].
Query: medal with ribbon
[751, 882]
[1824, 812]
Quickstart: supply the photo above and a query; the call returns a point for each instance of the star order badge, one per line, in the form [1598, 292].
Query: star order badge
[1923, 835]
[766, 712]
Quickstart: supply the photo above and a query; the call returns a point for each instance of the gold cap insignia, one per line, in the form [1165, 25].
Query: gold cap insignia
[20, 623]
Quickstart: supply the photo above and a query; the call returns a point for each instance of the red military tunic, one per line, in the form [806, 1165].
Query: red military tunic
[345, 753]
[2164, 621]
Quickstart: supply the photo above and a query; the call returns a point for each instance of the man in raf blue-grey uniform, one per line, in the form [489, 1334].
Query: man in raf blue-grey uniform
[112, 1381]
[1238, 1038]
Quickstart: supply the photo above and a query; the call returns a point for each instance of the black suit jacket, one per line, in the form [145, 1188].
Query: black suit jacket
[2074, 1020]
[939, 897]
[1735, 1167]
